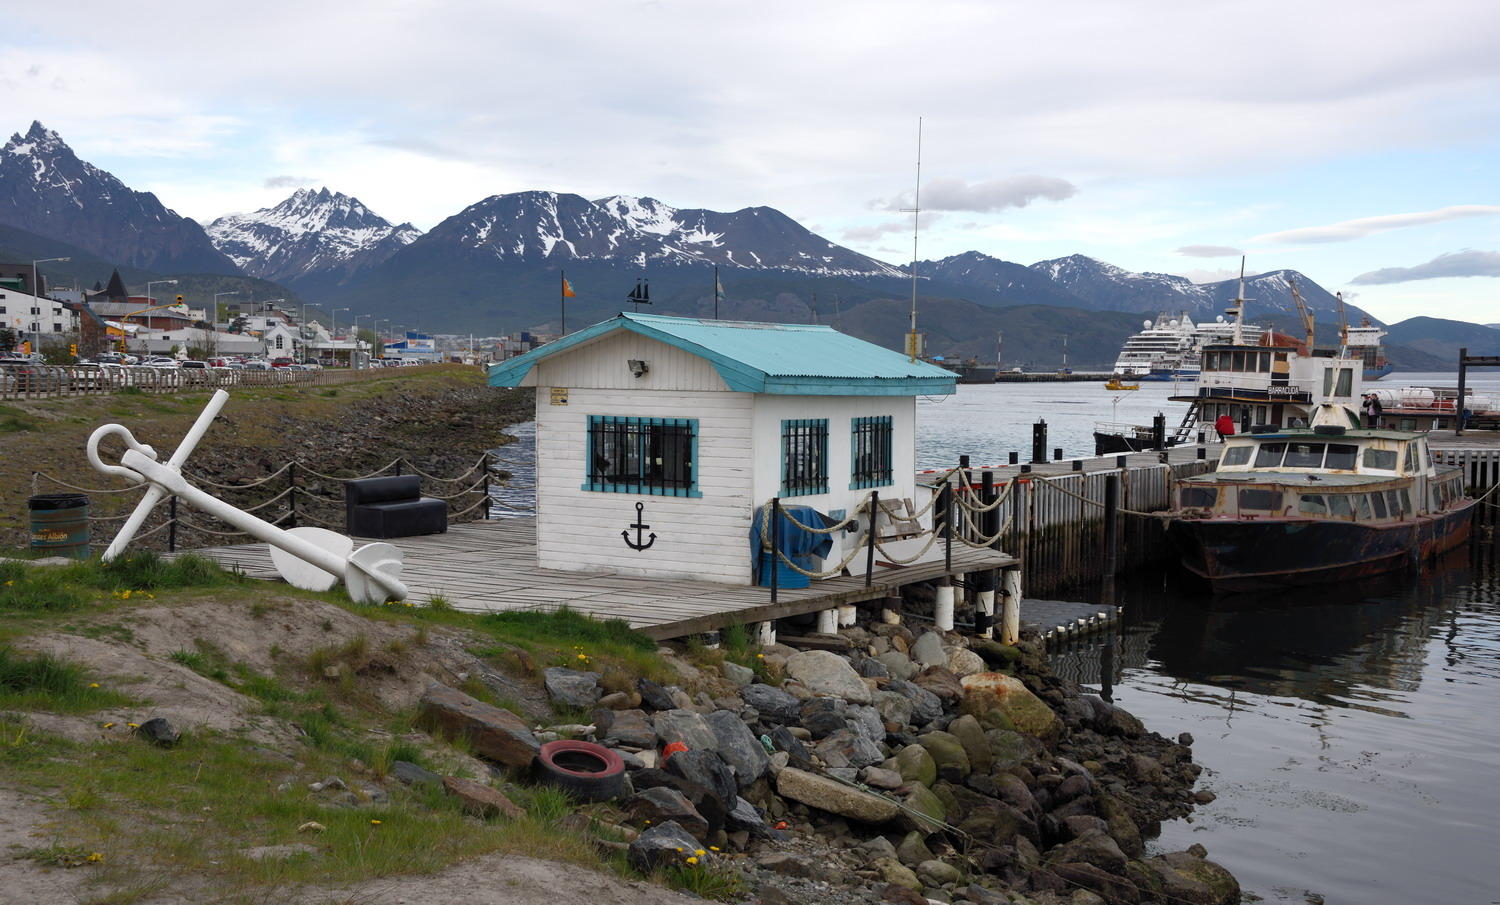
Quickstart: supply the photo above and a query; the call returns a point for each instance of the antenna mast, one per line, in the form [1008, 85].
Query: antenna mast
[1343, 323]
[913, 341]
[1238, 309]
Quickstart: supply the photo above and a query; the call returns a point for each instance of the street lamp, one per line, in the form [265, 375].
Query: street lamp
[214, 324]
[333, 330]
[36, 290]
[149, 284]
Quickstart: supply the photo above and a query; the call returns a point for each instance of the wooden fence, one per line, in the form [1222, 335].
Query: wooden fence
[28, 381]
[1481, 466]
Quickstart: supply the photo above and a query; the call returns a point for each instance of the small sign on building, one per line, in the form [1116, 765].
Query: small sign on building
[559, 395]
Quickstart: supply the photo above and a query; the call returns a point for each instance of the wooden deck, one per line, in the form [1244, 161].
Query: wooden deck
[489, 566]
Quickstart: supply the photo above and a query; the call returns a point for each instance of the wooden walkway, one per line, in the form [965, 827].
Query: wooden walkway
[488, 566]
[1176, 455]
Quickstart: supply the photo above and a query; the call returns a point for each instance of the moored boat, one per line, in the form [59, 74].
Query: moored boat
[1292, 507]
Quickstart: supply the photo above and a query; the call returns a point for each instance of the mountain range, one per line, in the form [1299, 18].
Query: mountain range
[498, 265]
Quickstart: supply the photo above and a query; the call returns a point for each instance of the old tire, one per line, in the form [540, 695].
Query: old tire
[582, 769]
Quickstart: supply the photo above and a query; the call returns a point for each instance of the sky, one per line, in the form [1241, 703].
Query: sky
[1354, 141]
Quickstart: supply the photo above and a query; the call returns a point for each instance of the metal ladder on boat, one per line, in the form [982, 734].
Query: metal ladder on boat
[1184, 430]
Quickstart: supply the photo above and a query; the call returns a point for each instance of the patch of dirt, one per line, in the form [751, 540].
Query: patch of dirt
[23, 828]
[506, 880]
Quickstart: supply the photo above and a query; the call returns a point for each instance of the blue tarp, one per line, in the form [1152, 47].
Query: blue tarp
[801, 547]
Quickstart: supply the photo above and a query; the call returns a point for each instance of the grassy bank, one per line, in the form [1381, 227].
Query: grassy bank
[435, 417]
[305, 688]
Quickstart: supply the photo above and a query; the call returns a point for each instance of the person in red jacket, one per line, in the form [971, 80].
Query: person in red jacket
[1224, 425]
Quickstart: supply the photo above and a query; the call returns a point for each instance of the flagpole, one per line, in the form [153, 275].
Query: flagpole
[716, 292]
[562, 295]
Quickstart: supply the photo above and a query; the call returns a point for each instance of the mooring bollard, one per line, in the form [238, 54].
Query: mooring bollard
[828, 623]
[984, 605]
[1120, 461]
[1014, 457]
[942, 608]
[1039, 441]
[1057, 453]
[1078, 465]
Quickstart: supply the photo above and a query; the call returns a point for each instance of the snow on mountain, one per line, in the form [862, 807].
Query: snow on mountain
[318, 237]
[1112, 288]
[537, 226]
[47, 190]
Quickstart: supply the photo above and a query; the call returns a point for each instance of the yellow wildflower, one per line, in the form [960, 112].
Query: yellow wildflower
[713, 848]
[760, 656]
[134, 725]
[93, 684]
[95, 857]
[109, 725]
[700, 853]
[692, 860]
[374, 823]
[583, 656]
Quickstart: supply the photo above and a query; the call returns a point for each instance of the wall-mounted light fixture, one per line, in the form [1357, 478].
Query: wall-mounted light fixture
[639, 368]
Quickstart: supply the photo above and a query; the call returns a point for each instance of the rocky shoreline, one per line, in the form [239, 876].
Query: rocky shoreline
[914, 769]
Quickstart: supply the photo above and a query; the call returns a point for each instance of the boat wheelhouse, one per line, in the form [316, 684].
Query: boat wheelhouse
[1274, 384]
[1290, 507]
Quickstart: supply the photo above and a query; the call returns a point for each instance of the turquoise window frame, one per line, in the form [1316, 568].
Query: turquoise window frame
[640, 489]
[889, 479]
[790, 424]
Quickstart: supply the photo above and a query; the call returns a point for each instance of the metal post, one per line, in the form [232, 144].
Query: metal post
[1120, 461]
[1014, 457]
[947, 529]
[1159, 431]
[1078, 465]
[400, 460]
[1111, 531]
[291, 479]
[1057, 453]
[775, 546]
[172, 526]
[1458, 404]
[1039, 441]
[870, 537]
[487, 500]
[1202, 452]
[989, 522]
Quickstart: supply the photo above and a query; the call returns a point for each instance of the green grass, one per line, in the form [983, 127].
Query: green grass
[705, 880]
[55, 589]
[14, 421]
[45, 682]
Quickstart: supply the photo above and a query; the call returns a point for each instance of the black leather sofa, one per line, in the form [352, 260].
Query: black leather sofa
[392, 507]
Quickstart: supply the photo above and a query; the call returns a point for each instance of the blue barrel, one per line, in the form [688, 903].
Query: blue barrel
[60, 524]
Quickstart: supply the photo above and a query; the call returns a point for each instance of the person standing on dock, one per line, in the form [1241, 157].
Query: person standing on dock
[1224, 425]
[1373, 408]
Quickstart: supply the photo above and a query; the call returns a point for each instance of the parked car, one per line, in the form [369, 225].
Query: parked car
[255, 364]
[29, 377]
[194, 365]
[283, 362]
[160, 361]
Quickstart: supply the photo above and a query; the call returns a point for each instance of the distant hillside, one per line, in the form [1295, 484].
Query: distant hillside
[1442, 338]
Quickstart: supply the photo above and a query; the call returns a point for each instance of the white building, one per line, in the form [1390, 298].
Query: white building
[281, 341]
[36, 318]
[689, 426]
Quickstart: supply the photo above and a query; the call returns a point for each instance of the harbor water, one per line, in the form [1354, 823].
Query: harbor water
[1348, 733]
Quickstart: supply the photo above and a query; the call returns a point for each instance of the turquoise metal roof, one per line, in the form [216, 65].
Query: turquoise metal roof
[783, 359]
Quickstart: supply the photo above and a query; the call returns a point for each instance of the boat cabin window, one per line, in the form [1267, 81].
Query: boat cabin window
[1344, 378]
[1236, 455]
[1378, 501]
[1411, 457]
[1313, 504]
[1341, 505]
[1269, 455]
[1304, 455]
[1394, 502]
[1341, 455]
[1362, 506]
[1199, 497]
[1383, 459]
[1260, 500]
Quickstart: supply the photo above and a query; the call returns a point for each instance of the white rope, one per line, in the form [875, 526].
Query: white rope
[468, 471]
[1063, 490]
[472, 488]
[831, 529]
[60, 482]
[967, 501]
[200, 479]
[329, 477]
[932, 537]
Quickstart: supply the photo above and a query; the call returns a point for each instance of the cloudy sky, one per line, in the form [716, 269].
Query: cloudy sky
[1354, 141]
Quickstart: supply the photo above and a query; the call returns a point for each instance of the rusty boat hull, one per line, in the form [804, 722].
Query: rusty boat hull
[1268, 553]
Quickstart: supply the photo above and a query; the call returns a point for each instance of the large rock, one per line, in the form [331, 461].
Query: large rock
[964, 662]
[897, 874]
[654, 696]
[823, 716]
[868, 722]
[928, 650]
[925, 811]
[938, 873]
[571, 687]
[925, 706]
[834, 797]
[1190, 879]
[493, 733]
[687, 727]
[971, 735]
[773, 704]
[913, 849]
[706, 769]
[797, 752]
[941, 681]
[631, 729]
[737, 674]
[481, 800]
[916, 765]
[893, 707]
[655, 807]
[899, 665]
[1111, 720]
[739, 747]
[947, 753]
[1094, 848]
[708, 803]
[1008, 748]
[1112, 888]
[662, 845]
[987, 691]
[744, 816]
[1000, 656]
[1122, 825]
[824, 672]
[853, 748]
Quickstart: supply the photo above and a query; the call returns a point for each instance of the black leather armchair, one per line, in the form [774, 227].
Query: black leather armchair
[392, 507]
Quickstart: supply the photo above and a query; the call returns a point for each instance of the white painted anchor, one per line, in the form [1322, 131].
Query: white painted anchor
[314, 559]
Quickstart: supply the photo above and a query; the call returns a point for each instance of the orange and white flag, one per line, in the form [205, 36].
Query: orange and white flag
[568, 292]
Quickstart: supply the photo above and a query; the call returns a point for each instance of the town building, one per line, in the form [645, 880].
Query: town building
[660, 439]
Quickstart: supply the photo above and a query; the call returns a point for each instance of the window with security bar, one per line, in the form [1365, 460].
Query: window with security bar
[870, 441]
[804, 456]
[653, 456]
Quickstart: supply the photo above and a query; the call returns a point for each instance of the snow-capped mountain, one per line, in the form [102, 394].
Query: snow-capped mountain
[45, 189]
[1014, 284]
[1110, 288]
[313, 237]
[551, 228]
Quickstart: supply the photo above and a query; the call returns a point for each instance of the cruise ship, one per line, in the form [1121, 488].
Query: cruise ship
[1169, 348]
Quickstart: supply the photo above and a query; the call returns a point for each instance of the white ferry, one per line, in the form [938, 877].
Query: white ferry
[1169, 348]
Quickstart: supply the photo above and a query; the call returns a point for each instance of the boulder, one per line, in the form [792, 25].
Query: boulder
[1144, 769]
[654, 696]
[938, 873]
[706, 769]
[480, 799]
[412, 775]
[661, 845]
[739, 747]
[834, 797]
[1190, 879]
[925, 812]
[631, 729]
[964, 662]
[1112, 720]
[898, 875]
[1114, 889]
[915, 764]
[684, 726]
[871, 849]
[893, 707]
[654, 807]
[738, 675]
[822, 716]
[1000, 656]
[710, 806]
[879, 778]
[1122, 826]
[1093, 847]
[824, 672]
[853, 748]
[617, 700]
[1014, 792]
[926, 706]
[913, 849]
[941, 681]
[947, 753]
[571, 687]
[928, 650]
[971, 735]
[744, 816]
[773, 704]
[158, 731]
[898, 665]
[1008, 748]
[868, 722]
[987, 691]
[871, 668]
[494, 733]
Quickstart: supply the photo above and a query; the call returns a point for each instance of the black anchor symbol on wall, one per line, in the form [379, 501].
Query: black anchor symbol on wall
[638, 544]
